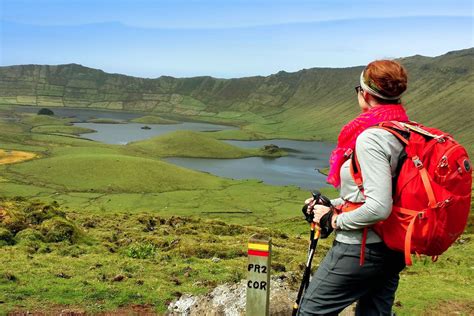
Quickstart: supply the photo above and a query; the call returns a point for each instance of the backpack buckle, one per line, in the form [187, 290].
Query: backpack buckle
[417, 162]
[348, 153]
[444, 162]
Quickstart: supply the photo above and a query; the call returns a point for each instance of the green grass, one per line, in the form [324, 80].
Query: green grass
[53, 140]
[194, 144]
[153, 119]
[449, 279]
[83, 273]
[39, 120]
[106, 121]
[145, 258]
[110, 173]
[237, 134]
[61, 129]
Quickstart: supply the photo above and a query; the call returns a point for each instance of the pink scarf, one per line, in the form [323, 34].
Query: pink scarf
[348, 135]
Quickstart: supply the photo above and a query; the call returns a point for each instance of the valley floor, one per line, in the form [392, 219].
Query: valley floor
[106, 227]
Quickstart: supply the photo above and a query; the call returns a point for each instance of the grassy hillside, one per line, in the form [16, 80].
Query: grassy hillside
[111, 173]
[194, 144]
[96, 261]
[308, 104]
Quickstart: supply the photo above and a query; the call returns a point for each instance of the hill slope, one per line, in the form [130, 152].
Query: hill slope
[311, 103]
[193, 144]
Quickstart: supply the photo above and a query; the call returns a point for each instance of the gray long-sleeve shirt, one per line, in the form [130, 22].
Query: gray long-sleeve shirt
[378, 152]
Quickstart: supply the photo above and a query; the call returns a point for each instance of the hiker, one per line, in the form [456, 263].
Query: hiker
[346, 274]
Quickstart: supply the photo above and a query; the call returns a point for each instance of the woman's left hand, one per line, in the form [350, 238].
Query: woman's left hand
[319, 211]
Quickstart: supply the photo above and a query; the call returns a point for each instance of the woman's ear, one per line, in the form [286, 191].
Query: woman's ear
[366, 96]
[363, 101]
[369, 99]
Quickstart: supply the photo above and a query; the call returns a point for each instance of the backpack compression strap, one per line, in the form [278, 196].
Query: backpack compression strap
[397, 129]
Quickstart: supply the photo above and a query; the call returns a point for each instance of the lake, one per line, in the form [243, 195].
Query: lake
[122, 134]
[298, 168]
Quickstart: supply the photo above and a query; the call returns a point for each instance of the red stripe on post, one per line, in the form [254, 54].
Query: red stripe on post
[257, 253]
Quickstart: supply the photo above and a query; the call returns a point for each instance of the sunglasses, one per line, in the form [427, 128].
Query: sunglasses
[358, 89]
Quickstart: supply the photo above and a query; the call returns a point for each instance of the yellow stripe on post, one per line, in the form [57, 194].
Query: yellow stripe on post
[261, 247]
[258, 275]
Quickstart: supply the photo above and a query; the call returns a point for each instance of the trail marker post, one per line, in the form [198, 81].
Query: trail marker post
[258, 275]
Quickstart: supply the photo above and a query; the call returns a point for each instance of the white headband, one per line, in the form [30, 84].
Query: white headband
[373, 92]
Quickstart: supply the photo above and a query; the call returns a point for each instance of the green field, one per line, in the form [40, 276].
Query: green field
[102, 227]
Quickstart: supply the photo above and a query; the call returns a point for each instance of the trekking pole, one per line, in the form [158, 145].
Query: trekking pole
[314, 237]
[307, 272]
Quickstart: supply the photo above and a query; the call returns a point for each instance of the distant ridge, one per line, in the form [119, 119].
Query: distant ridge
[310, 103]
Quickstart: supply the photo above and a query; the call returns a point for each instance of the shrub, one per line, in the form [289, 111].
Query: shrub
[6, 237]
[13, 220]
[19, 216]
[141, 251]
[37, 212]
[45, 111]
[59, 229]
[29, 234]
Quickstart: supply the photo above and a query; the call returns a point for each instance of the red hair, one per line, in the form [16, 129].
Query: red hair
[387, 77]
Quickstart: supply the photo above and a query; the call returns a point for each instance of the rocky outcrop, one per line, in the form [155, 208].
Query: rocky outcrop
[229, 300]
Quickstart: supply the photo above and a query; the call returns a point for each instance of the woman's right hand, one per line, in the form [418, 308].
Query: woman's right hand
[310, 202]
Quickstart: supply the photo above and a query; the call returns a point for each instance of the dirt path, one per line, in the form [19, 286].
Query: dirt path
[12, 156]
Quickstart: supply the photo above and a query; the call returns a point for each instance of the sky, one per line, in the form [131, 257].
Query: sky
[228, 38]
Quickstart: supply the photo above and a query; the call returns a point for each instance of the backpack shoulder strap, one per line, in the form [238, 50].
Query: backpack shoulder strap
[397, 129]
[354, 169]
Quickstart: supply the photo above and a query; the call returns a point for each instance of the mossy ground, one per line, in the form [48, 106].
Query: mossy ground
[145, 235]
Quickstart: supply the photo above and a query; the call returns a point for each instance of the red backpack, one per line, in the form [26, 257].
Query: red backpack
[432, 193]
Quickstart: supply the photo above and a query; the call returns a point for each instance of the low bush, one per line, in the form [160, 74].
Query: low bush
[45, 111]
[141, 251]
[28, 235]
[6, 237]
[59, 229]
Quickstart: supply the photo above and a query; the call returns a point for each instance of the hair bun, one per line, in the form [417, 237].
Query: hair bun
[388, 76]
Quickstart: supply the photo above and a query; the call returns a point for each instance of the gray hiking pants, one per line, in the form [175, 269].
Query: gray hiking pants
[340, 281]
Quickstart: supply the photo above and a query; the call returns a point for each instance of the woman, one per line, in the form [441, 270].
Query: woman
[342, 278]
